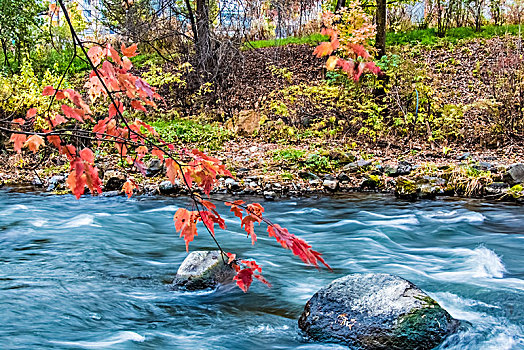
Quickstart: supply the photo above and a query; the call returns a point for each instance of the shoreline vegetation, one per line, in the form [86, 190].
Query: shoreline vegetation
[281, 172]
[444, 128]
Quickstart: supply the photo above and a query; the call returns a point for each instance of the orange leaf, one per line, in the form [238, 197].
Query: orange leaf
[298, 246]
[128, 187]
[74, 113]
[34, 142]
[19, 140]
[138, 106]
[126, 63]
[173, 171]
[58, 119]
[31, 113]
[129, 51]
[323, 49]
[115, 56]
[77, 179]
[87, 155]
[158, 153]
[235, 209]
[95, 54]
[185, 223]
[54, 140]
[113, 109]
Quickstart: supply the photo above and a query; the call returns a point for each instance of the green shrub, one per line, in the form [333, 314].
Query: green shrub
[183, 131]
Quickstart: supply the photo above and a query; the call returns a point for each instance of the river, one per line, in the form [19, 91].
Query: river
[95, 273]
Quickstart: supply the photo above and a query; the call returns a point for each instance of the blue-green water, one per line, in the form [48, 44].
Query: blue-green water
[94, 273]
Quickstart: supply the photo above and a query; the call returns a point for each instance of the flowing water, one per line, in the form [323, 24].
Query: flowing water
[95, 273]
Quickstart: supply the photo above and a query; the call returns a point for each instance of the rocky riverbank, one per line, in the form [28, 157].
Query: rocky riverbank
[273, 171]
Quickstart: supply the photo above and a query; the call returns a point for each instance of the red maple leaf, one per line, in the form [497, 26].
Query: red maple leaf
[235, 208]
[244, 277]
[113, 109]
[34, 142]
[129, 51]
[231, 257]
[185, 223]
[128, 187]
[19, 140]
[31, 113]
[298, 246]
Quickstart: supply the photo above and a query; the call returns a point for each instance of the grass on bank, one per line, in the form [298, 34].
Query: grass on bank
[210, 136]
[312, 39]
[428, 37]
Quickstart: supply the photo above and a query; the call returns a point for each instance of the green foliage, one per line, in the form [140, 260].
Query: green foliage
[158, 76]
[186, 131]
[516, 191]
[318, 163]
[428, 37]
[282, 73]
[19, 92]
[19, 28]
[289, 155]
[312, 40]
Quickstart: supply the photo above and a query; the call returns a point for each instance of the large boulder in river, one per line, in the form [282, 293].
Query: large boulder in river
[376, 311]
[202, 270]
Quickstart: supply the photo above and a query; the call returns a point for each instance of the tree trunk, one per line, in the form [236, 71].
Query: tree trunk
[340, 4]
[203, 40]
[380, 39]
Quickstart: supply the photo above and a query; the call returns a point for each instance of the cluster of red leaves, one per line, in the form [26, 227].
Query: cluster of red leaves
[112, 80]
[299, 247]
[357, 59]
[186, 221]
[249, 214]
[244, 276]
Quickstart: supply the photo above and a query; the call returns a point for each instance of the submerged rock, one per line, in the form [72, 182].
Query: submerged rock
[203, 269]
[376, 311]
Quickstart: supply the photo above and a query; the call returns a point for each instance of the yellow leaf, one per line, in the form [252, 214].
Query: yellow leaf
[331, 62]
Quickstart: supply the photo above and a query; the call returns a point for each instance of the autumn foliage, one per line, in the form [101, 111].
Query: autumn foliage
[350, 30]
[73, 128]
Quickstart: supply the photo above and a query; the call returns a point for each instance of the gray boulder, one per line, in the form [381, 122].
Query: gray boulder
[515, 174]
[203, 269]
[330, 185]
[114, 180]
[376, 311]
[166, 187]
[154, 167]
[232, 185]
[56, 182]
[404, 168]
[356, 166]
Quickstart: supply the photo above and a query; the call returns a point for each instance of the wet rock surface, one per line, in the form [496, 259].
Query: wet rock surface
[376, 311]
[203, 269]
[515, 174]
